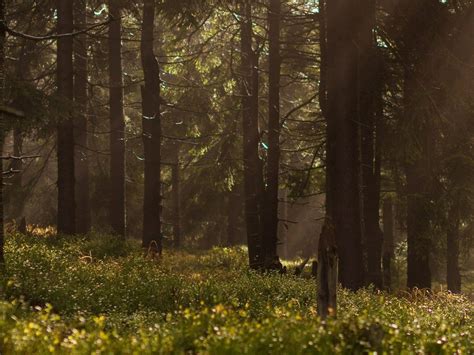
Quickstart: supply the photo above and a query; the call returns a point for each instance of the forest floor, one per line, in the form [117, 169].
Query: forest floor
[100, 295]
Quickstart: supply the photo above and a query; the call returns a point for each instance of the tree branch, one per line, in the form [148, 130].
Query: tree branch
[14, 33]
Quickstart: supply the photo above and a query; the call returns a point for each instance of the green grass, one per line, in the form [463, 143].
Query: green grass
[97, 294]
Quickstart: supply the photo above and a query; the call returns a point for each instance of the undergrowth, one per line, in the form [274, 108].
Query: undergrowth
[99, 294]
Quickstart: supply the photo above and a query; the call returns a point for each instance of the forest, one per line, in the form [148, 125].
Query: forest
[237, 176]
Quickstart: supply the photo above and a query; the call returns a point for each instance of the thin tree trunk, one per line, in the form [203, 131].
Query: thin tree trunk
[322, 89]
[152, 238]
[270, 236]
[252, 165]
[83, 214]
[282, 226]
[388, 243]
[343, 155]
[452, 255]
[2, 121]
[175, 186]
[232, 216]
[117, 123]
[65, 144]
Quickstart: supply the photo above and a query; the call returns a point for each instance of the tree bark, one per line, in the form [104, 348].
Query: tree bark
[270, 235]
[152, 238]
[65, 143]
[83, 214]
[343, 147]
[117, 123]
[253, 175]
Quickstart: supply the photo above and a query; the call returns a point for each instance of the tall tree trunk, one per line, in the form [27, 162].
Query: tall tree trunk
[417, 39]
[452, 256]
[388, 243]
[252, 164]
[417, 173]
[2, 120]
[117, 123]
[368, 94]
[65, 144]
[83, 214]
[175, 186]
[270, 236]
[152, 238]
[343, 155]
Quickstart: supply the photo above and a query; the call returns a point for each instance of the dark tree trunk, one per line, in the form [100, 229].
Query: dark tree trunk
[419, 22]
[270, 235]
[388, 243]
[417, 172]
[2, 121]
[368, 94]
[175, 186]
[253, 175]
[117, 123]
[65, 144]
[452, 255]
[418, 229]
[83, 214]
[327, 271]
[152, 238]
[343, 149]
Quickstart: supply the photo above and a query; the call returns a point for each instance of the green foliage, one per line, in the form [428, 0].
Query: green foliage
[96, 294]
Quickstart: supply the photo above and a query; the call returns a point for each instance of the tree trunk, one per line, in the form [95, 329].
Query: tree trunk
[117, 123]
[152, 238]
[83, 214]
[283, 226]
[327, 271]
[452, 256]
[175, 185]
[65, 144]
[2, 121]
[388, 243]
[368, 94]
[252, 164]
[270, 235]
[343, 148]
[322, 88]
[417, 186]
